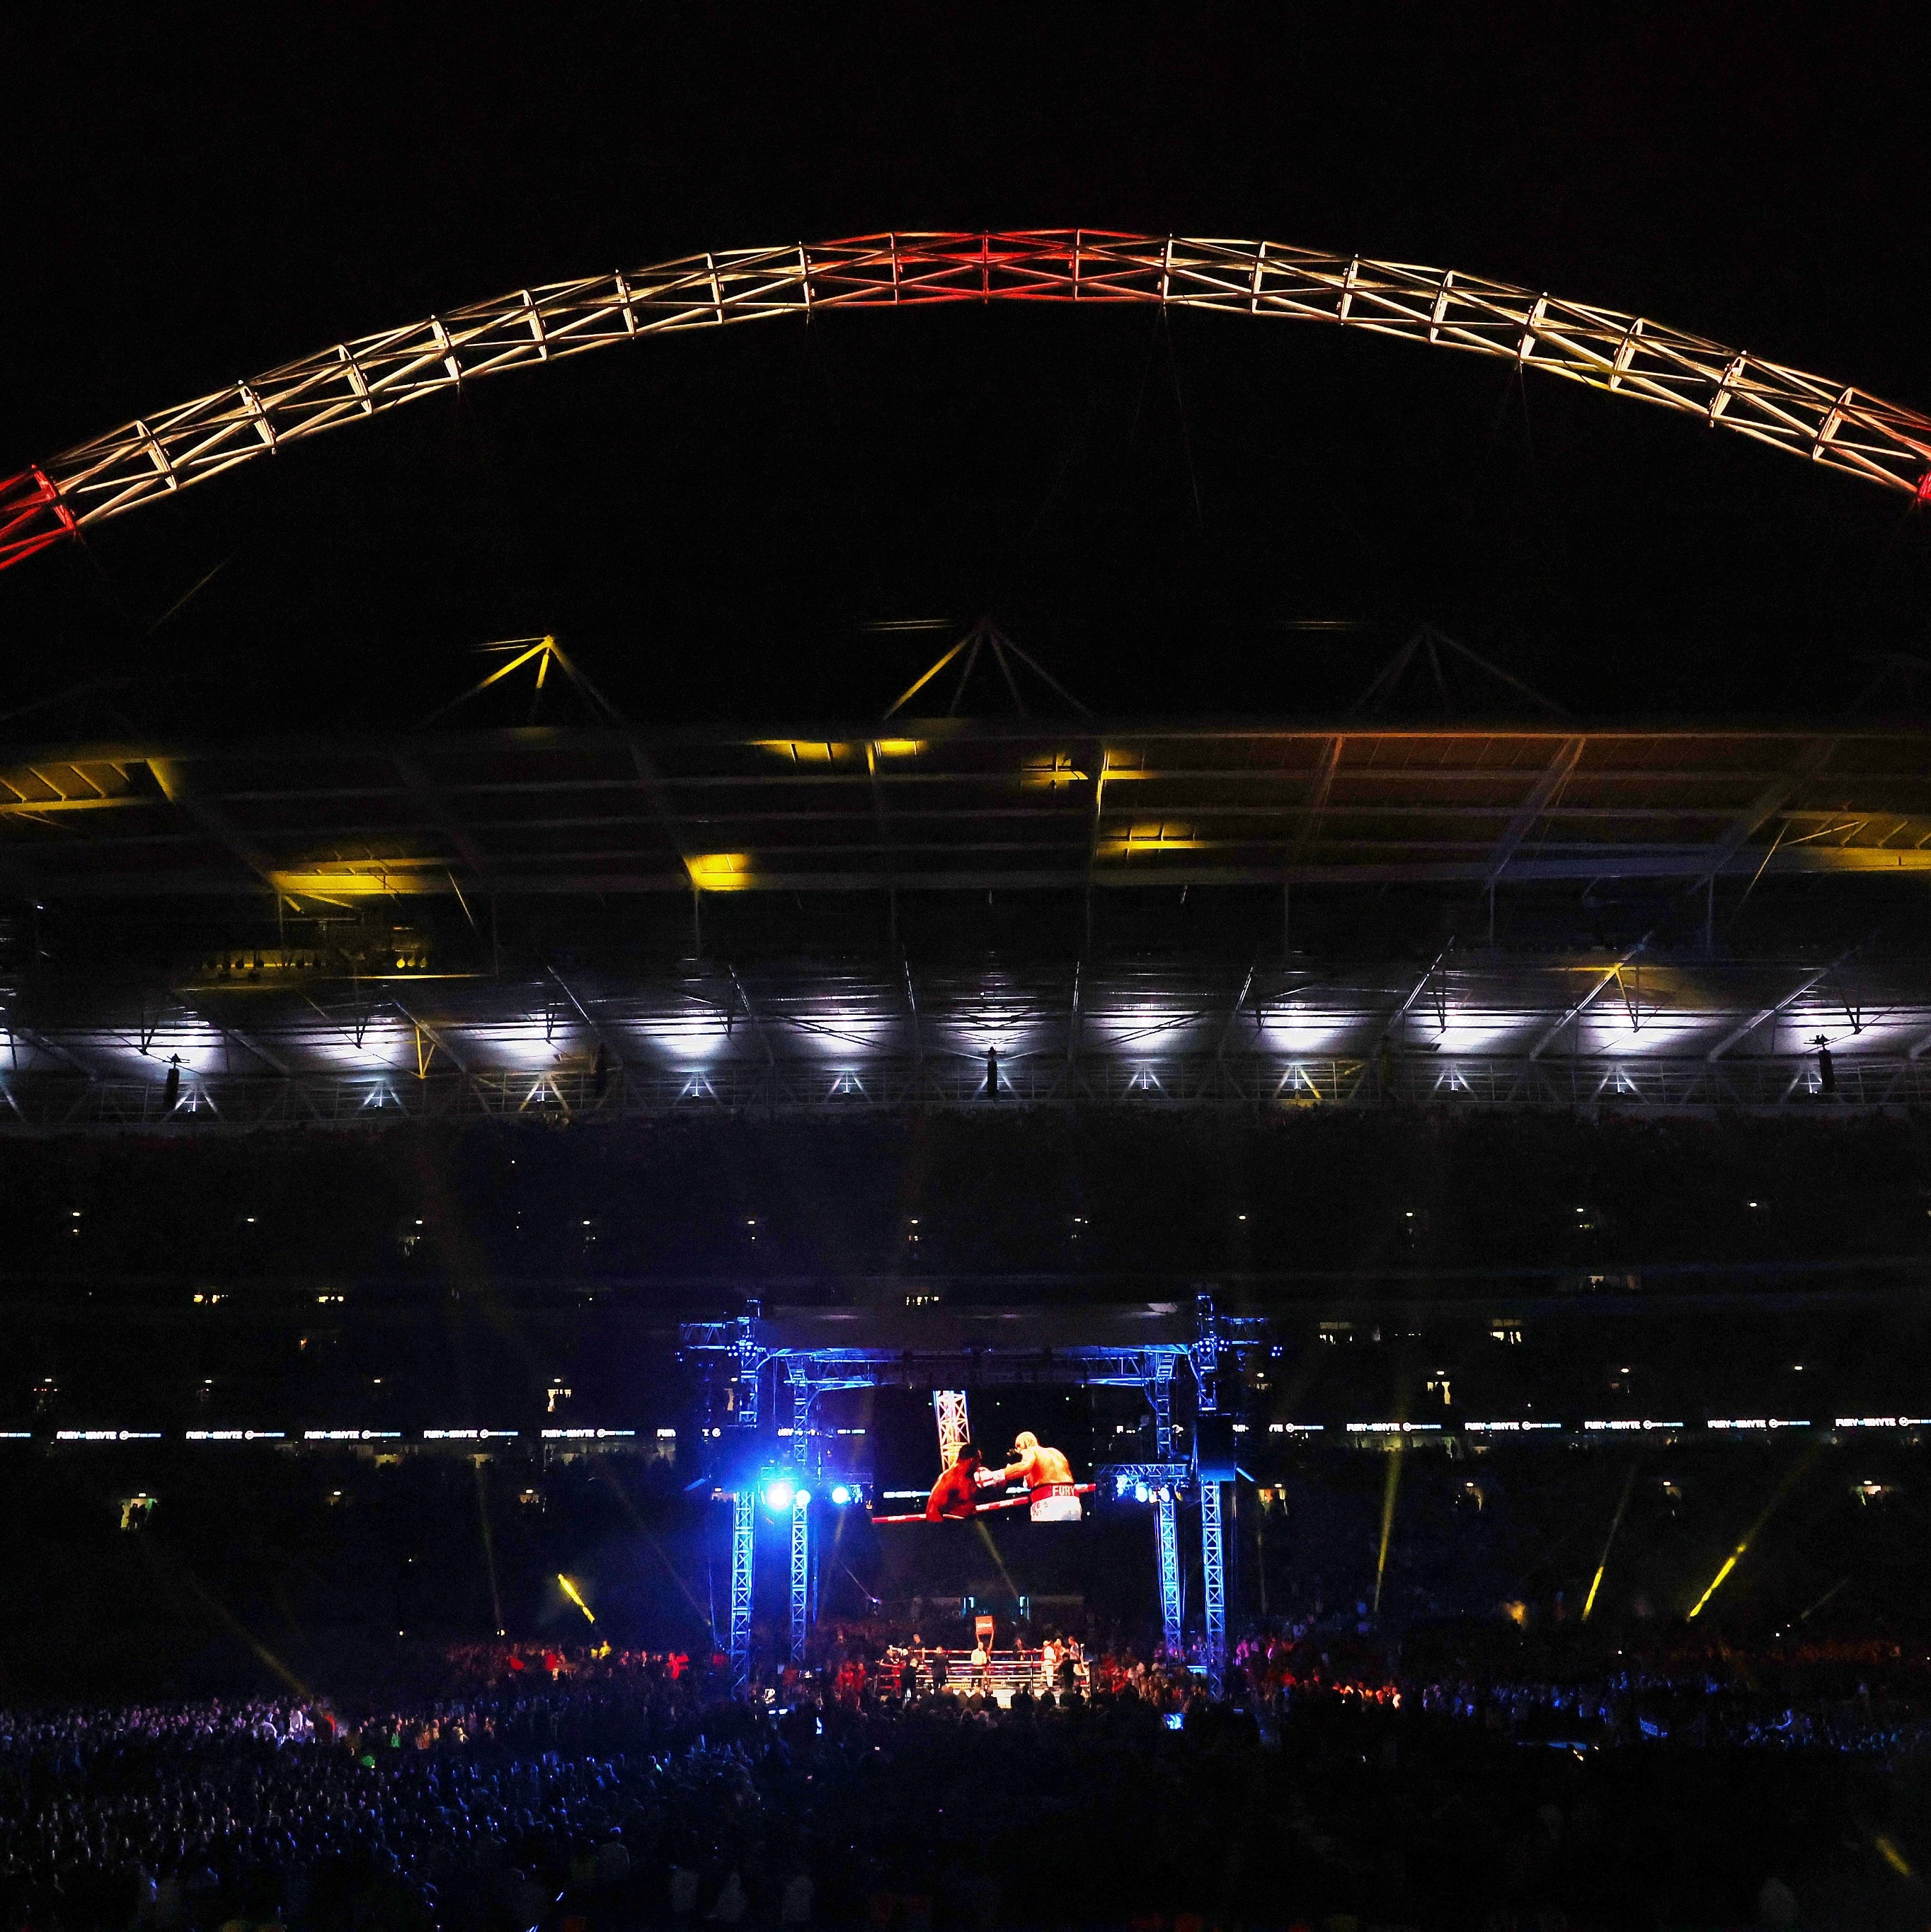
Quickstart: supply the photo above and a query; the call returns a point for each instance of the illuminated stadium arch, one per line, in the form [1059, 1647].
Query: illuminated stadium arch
[1826, 422]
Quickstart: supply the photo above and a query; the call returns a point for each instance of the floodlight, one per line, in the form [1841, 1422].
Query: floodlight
[841, 1495]
[778, 1495]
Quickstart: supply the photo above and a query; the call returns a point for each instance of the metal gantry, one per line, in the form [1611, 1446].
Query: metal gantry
[1817, 419]
[1637, 1029]
[53, 1102]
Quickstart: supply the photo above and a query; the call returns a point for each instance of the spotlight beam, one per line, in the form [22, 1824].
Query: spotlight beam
[1608, 1542]
[1777, 1496]
[1388, 1495]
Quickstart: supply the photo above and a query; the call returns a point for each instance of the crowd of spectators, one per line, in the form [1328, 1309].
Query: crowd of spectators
[1866, 1697]
[601, 1790]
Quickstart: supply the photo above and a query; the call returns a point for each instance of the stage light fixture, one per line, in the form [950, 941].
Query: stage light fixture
[803, 1497]
[841, 1495]
[778, 1496]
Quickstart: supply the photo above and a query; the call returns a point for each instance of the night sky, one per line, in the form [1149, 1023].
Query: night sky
[715, 526]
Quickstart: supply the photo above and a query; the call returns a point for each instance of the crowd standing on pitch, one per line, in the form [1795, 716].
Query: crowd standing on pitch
[599, 1791]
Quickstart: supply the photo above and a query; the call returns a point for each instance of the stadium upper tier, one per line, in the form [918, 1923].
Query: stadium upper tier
[958, 804]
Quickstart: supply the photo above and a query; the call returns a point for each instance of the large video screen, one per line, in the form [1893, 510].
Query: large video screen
[1029, 1456]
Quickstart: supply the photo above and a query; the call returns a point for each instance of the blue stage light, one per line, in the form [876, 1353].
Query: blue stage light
[841, 1495]
[803, 1497]
[778, 1496]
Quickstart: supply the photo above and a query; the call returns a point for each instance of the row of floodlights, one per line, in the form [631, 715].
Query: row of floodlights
[781, 1493]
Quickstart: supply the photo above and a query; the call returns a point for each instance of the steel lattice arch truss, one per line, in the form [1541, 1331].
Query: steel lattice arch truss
[1820, 420]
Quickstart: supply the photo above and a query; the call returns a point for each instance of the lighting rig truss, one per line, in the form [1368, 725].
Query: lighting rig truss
[1834, 423]
[953, 1415]
[741, 1349]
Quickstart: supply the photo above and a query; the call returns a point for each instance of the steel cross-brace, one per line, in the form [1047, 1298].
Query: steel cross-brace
[954, 1414]
[1213, 1573]
[748, 1364]
[1213, 1559]
[1166, 1521]
[802, 1393]
[744, 1556]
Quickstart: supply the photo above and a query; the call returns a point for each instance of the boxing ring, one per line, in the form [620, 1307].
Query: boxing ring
[1006, 1674]
[803, 1353]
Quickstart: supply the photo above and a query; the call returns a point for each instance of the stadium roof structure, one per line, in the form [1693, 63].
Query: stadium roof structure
[960, 804]
[399, 835]
[329, 882]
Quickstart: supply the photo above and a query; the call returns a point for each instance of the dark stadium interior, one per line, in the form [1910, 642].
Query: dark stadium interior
[1090, 1094]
